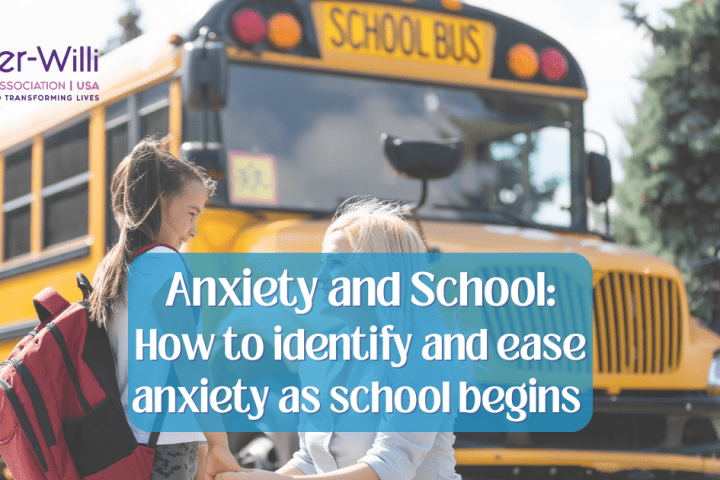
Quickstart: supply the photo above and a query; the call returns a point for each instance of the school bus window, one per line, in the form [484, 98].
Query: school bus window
[66, 216]
[16, 204]
[117, 126]
[155, 123]
[319, 133]
[17, 174]
[117, 146]
[65, 180]
[153, 110]
[117, 113]
[156, 95]
[120, 122]
[17, 232]
[117, 149]
[66, 154]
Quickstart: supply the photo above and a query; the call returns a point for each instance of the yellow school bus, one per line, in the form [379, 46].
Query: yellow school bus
[285, 103]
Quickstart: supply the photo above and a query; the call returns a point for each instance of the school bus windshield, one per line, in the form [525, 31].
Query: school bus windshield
[307, 141]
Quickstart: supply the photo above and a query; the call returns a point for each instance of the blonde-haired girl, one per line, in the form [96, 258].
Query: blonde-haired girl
[368, 226]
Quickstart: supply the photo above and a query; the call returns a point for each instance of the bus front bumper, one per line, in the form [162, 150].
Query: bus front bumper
[609, 444]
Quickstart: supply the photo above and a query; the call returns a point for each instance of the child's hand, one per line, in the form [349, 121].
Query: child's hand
[218, 459]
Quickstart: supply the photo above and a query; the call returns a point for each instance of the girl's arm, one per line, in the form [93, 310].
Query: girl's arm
[291, 470]
[360, 471]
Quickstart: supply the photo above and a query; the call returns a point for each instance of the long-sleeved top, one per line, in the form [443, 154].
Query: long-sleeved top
[392, 455]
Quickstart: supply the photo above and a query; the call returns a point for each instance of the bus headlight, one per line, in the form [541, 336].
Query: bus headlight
[714, 373]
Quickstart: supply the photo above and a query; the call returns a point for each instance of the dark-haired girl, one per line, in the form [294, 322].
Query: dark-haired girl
[156, 201]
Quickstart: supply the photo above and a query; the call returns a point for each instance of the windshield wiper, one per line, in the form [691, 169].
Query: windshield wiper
[491, 209]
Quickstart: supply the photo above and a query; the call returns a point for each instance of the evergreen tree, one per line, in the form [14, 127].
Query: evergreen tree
[129, 24]
[670, 200]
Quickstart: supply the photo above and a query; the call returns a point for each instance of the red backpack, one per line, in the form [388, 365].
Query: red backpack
[60, 411]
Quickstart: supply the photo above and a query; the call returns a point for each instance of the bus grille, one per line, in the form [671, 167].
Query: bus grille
[636, 321]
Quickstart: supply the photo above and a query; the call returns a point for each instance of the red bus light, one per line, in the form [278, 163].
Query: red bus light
[553, 64]
[249, 26]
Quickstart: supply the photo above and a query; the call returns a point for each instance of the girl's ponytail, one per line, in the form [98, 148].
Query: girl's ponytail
[141, 179]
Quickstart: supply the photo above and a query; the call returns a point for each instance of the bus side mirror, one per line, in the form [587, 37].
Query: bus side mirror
[422, 159]
[204, 73]
[600, 177]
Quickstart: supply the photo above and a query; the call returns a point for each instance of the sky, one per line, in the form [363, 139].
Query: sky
[609, 49]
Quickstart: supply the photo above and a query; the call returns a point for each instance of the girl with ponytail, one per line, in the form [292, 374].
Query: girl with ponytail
[156, 201]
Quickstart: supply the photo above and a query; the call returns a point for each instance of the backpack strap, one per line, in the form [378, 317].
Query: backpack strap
[84, 285]
[48, 304]
[154, 436]
[150, 247]
[152, 441]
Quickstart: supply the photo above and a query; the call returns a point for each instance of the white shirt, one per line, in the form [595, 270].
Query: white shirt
[117, 328]
[392, 455]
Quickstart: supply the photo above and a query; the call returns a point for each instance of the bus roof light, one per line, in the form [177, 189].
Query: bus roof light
[249, 26]
[285, 31]
[523, 61]
[453, 5]
[553, 64]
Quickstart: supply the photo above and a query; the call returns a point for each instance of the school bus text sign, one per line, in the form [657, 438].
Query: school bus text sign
[398, 33]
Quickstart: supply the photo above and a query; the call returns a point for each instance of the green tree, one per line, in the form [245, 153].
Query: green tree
[670, 200]
[129, 24]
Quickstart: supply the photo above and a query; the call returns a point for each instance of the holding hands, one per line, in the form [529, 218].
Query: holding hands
[215, 457]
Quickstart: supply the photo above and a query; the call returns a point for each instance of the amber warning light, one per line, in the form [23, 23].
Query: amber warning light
[283, 31]
[524, 63]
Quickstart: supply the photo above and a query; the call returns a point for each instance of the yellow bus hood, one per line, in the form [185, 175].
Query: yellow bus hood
[228, 231]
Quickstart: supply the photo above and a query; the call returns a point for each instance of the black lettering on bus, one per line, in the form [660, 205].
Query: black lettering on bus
[352, 13]
[404, 33]
[391, 32]
[369, 30]
[475, 57]
[418, 38]
[334, 20]
[440, 39]
[457, 47]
